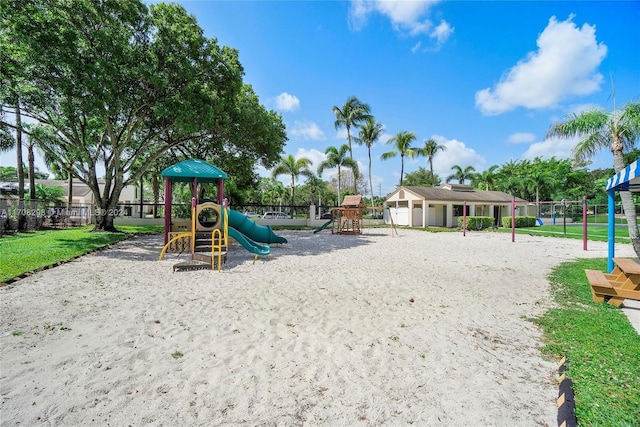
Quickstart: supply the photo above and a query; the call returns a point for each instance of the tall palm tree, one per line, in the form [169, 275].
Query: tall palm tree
[294, 168]
[351, 114]
[487, 177]
[429, 150]
[617, 131]
[337, 157]
[370, 132]
[402, 141]
[461, 174]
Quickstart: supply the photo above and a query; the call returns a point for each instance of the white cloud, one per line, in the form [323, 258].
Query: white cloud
[442, 32]
[521, 138]
[564, 65]
[307, 130]
[287, 102]
[457, 153]
[342, 134]
[405, 16]
[560, 148]
[312, 154]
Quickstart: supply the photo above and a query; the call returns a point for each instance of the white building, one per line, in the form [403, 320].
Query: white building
[441, 206]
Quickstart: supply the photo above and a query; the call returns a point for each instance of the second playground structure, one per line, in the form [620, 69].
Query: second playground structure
[347, 219]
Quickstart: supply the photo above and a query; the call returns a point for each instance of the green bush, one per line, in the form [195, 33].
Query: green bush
[521, 221]
[476, 222]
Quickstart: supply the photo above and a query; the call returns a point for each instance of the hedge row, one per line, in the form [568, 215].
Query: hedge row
[521, 221]
[482, 222]
[477, 222]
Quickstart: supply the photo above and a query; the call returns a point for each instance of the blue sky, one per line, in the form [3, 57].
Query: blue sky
[485, 79]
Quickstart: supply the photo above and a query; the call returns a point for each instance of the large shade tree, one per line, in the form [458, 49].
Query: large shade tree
[119, 83]
[293, 167]
[402, 143]
[617, 131]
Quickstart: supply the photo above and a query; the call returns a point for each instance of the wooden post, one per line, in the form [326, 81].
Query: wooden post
[513, 219]
[464, 219]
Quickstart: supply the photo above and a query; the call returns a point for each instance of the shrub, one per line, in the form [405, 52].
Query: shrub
[521, 221]
[476, 222]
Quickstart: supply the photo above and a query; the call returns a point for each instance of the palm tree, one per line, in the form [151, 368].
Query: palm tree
[352, 113]
[338, 158]
[597, 130]
[402, 141]
[274, 191]
[487, 177]
[461, 174]
[316, 187]
[430, 149]
[370, 132]
[290, 166]
[538, 179]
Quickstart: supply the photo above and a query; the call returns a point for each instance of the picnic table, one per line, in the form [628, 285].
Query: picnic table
[623, 282]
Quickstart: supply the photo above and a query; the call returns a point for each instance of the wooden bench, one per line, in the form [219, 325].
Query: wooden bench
[602, 289]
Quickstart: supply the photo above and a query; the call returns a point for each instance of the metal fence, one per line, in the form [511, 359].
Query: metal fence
[553, 212]
[30, 215]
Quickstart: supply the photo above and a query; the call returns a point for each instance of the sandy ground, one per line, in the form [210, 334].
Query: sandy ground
[420, 328]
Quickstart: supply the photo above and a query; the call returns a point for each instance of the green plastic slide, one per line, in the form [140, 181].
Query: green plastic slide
[248, 244]
[323, 226]
[253, 230]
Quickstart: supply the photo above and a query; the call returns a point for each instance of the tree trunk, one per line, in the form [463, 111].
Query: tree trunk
[630, 214]
[155, 187]
[32, 167]
[627, 204]
[106, 207]
[69, 192]
[33, 202]
[371, 183]
[21, 217]
[104, 214]
[433, 178]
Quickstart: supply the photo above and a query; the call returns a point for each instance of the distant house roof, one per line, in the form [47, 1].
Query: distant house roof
[458, 193]
[187, 170]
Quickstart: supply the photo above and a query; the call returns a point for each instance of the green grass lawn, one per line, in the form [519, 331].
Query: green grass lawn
[24, 252]
[596, 233]
[601, 346]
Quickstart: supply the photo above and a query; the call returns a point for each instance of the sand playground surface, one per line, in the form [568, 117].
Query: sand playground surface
[420, 328]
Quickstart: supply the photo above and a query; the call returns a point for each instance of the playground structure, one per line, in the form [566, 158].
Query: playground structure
[348, 218]
[206, 234]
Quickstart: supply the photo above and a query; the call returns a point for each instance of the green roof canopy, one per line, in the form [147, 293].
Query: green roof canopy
[187, 170]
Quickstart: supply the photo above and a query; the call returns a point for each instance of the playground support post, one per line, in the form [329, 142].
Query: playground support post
[564, 217]
[611, 227]
[464, 219]
[513, 219]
